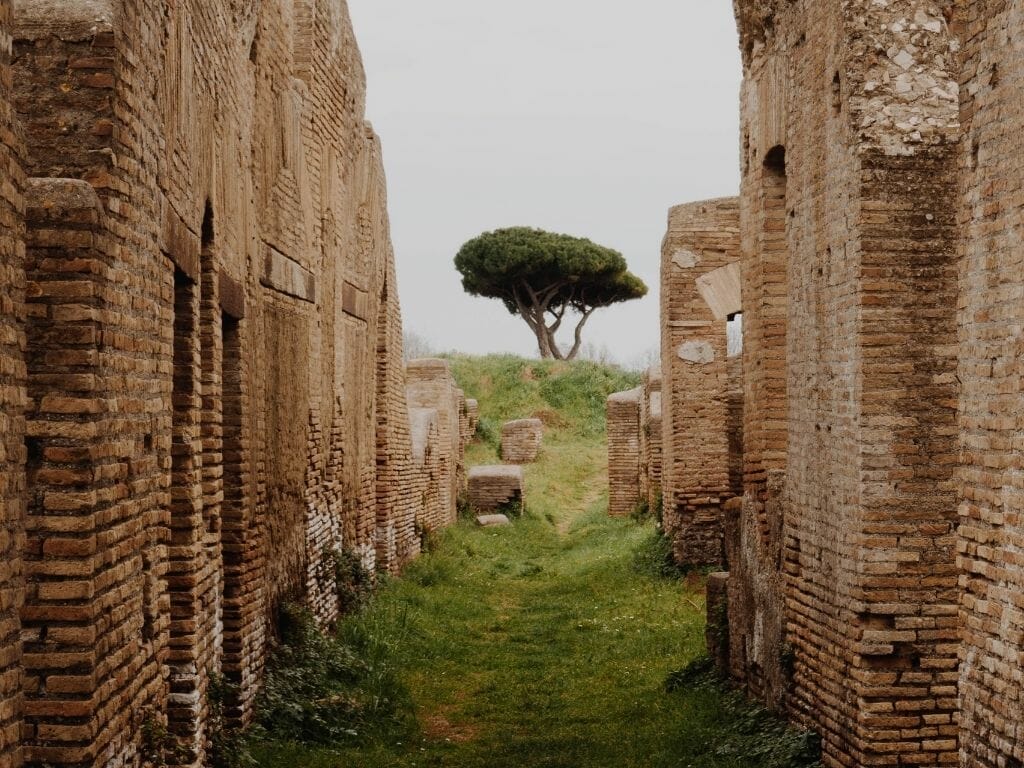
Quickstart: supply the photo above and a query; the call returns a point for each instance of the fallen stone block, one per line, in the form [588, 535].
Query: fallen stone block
[521, 441]
[496, 489]
[493, 521]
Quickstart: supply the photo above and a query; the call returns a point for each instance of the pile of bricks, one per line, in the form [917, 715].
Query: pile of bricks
[521, 441]
[497, 489]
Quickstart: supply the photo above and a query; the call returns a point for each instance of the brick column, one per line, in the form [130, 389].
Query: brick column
[623, 409]
[702, 237]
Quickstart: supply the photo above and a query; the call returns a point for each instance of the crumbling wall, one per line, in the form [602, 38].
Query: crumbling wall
[650, 439]
[845, 587]
[990, 488]
[431, 387]
[216, 400]
[701, 237]
[623, 417]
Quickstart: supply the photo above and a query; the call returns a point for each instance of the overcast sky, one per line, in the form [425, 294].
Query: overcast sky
[589, 117]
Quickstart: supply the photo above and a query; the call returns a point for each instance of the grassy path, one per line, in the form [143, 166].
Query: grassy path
[547, 643]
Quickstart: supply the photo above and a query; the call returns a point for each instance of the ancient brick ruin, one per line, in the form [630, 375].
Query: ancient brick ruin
[203, 392]
[497, 489]
[521, 441]
[635, 451]
[870, 500]
[651, 451]
[624, 459]
[701, 238]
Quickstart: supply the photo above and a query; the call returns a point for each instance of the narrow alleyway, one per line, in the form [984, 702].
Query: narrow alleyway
[548, 643]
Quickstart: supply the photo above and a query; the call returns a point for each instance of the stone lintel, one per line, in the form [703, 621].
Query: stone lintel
[232, 296]
[287, 276]
[722, 290]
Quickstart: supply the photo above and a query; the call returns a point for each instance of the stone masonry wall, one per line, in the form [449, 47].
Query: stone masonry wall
[842, 587]
[990, 486]
[203, 393]
[701, 237]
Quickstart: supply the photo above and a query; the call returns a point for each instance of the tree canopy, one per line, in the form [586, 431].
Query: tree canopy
[542, 276]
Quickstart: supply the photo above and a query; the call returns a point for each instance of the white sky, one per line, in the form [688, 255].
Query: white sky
[589, 117]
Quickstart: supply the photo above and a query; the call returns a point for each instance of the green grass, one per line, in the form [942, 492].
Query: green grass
[548, 643]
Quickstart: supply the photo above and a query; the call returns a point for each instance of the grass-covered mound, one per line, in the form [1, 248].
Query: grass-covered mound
[553, 642]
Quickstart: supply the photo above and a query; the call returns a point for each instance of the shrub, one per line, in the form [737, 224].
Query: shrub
[353, 580]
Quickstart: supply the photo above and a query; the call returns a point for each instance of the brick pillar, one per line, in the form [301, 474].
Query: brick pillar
[702, 237]
[623, 409]
[845, 562]
[651, 437]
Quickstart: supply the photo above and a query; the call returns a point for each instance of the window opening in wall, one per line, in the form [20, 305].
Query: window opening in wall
[734, 331]
[837, 94]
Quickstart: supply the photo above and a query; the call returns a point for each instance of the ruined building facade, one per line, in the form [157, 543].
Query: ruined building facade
[873, 534]
[203, 392]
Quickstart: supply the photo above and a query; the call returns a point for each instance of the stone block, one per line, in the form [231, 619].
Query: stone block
[521, 441]
[497, 489]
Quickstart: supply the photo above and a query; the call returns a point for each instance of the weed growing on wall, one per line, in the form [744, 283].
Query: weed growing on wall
[352, 579]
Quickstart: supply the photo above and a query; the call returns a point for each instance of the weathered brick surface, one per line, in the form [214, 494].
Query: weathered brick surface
[651, 438]
[701, 237]
[201, 360]
[521, 441]
[842, 594]
[624, 458]
[734, 400]
[12, 407]
[991, 489]
[499, 489]
[431, 387]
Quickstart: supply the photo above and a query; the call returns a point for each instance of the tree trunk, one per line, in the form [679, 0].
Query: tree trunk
[579, 336]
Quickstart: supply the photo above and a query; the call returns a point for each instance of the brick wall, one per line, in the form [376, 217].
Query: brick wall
[701, 237]
[651, 438]
[12, 407]
[842, 589]
[431, 387]
[212, 354]
[990, 490]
